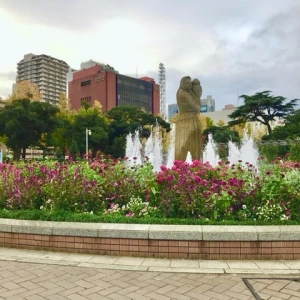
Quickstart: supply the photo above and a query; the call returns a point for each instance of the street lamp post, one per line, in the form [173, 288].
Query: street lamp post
[87, 133]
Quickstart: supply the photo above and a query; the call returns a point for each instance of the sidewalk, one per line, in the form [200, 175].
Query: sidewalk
[150, 264]
[41, 275]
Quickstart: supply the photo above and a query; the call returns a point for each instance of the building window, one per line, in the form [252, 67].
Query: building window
[84, 83]
[132, 91]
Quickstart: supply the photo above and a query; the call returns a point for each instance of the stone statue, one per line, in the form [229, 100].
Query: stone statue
[188, 137]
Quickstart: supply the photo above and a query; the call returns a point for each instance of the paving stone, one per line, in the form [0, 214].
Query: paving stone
[57, 282]
[275, 288]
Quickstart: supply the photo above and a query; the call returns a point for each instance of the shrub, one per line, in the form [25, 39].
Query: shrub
[197, 191]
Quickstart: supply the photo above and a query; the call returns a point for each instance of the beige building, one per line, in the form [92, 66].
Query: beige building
[49, 73]
[219, 115]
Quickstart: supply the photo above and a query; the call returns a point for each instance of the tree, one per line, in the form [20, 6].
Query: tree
[74, 149]
[290, 130]
[97, 123]
[97, 105]
[262, 107]
[26, 90]
[63, 102]
[222, 134]
[62, 134]
[127, 119]
[220, 123]
[209, 122]
[24, 123]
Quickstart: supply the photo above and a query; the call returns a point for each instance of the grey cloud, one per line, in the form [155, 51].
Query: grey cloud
[8, 75]
[269, 59]
[81, 14]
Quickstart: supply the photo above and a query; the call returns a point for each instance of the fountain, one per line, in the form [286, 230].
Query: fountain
[210, 153]
[246, 153]
[133, 149]
[153, 150]
[186, 137]
[189, 158]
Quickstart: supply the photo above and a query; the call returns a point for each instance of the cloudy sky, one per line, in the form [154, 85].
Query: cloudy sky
[233, 46]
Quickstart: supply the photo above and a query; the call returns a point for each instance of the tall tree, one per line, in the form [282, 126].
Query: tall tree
[262, 107]
[63, 102]
[97, 105]
[91, 119]
[62, 134]
[125, 119]
[290, 130]
[26, 90]
[24, 123]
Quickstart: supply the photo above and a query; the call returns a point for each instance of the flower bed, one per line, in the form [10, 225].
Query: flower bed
[193, 191]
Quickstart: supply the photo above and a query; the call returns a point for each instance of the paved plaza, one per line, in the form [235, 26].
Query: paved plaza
[26, 274]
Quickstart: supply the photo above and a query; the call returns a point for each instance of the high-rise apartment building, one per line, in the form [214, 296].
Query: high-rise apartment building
[208, 104]
[172, 110]
[49, 73]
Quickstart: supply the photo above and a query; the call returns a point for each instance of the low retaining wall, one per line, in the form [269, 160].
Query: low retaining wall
[161, 241]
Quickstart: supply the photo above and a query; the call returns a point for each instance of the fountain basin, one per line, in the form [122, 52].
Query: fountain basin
[160, 241]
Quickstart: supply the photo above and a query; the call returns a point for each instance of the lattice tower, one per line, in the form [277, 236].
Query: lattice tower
[162, 84]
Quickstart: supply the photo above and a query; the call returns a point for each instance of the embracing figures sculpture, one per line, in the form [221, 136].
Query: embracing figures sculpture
[188, 136]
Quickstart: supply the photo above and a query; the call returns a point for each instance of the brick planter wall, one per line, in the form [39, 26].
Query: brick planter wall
[154, 248]
[158, 241]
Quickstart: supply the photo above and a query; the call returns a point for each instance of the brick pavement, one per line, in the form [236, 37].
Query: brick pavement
[20, 280]
[275, 288]
[34, 275]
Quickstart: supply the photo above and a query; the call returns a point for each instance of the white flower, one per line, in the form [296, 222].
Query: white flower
[244, 206]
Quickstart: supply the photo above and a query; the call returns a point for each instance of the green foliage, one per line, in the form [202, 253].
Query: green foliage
[127, 119]
[62, 134]
[290, 130]
[262, 107]
[209, 122]
[66, 216]
[196, 191]
[271, 211]
[222, 134]
[25, 123]
[134, 208]
[74, 149]
[269, 151]
[97, 123]
[295, 151]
